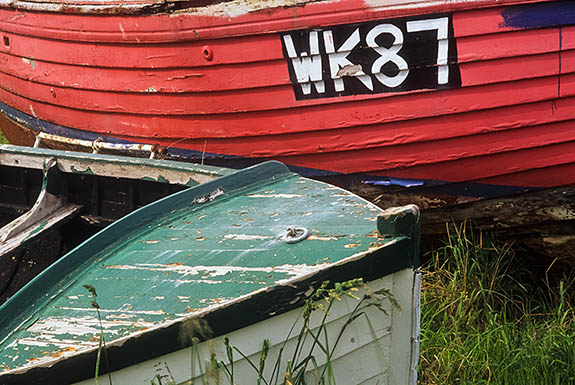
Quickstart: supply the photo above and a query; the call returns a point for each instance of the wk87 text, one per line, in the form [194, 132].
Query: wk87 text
[381, 56]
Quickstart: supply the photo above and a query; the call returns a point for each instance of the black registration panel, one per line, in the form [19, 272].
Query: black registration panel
[393, 55]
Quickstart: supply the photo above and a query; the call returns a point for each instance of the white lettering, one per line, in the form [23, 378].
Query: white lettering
[440, 25]
[338, 59]
[388, 55]
[307, 68]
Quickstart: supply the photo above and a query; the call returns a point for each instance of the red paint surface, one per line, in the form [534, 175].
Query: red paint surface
[347, 112]
[391, 134]
[543, 177]
[184, 26]
[145, 78]
[557, 160]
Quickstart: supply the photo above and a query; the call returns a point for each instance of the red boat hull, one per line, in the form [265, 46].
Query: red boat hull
[479, 91]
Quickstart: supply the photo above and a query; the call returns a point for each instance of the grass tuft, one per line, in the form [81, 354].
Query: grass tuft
[3, 139]
[489, 317]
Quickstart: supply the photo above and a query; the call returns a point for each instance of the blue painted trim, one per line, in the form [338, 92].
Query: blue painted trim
[237, 162]
[541, 15]
[464, 189]
[395, 182]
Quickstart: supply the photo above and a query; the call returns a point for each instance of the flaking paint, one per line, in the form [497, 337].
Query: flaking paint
[389, 135]
[175, 266]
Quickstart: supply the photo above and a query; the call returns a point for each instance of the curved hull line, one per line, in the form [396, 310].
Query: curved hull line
[296, 119]
[284, 18]
[346, 87]
[464, 188]
[176, 80]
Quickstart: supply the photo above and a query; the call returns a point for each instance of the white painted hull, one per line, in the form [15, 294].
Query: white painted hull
[375, 349]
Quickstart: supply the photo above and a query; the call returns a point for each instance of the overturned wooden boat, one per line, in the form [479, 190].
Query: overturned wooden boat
[50, 201]
[212, 285]
[410, 92]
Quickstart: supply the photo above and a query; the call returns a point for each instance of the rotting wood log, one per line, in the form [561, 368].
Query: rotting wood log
[542, 220]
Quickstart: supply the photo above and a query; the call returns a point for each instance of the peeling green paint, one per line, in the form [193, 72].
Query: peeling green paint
[86, 171]
[38, 229]
[118, 166]
[194, 250]
[161, 179]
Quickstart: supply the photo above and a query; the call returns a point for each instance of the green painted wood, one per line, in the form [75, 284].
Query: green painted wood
[112, 165]
[402, 221]
[214, 244]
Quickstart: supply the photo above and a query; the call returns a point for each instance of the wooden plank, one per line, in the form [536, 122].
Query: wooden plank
[234, 95]
[392, 133]
[541, 176]
[541, 220]
[552, 157]
[29, 234]
[231, 18]
[111, 166]
[297, 119]
[438, 151]
[217, 249]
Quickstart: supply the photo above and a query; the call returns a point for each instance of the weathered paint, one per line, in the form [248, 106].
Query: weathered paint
[98, 145]
[175, 261]
[20, 239]
[540, 220]
[43, 218]
[365, 352]
[228, 83]
[539, 16]
[112, 166]
[50, 209]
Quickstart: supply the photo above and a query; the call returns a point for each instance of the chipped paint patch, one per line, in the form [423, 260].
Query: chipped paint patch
[286, 196]
[31, 62]
[209, 197]
[32, 111]
[79, 326]
[216, 271]
[45, 341]
[320, 238]
[246, 237]
[237, 8]
[121, 27]
[350, 70]
[90, 309]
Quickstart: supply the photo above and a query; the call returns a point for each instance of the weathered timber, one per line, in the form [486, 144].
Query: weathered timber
[541, 220]
[43, 217]
[473, 91]
[214, 261]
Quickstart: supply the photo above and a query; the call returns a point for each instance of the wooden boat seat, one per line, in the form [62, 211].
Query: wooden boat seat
[51, 208]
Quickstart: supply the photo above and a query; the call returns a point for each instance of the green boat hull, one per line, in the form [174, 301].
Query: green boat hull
[239, 256]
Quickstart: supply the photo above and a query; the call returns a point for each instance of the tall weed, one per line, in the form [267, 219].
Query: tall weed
[489, 317]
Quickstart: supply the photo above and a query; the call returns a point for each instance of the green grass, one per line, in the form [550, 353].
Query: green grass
[3, 139]
[491, 315]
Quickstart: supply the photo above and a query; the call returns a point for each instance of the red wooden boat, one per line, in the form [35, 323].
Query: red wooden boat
[397, 91]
